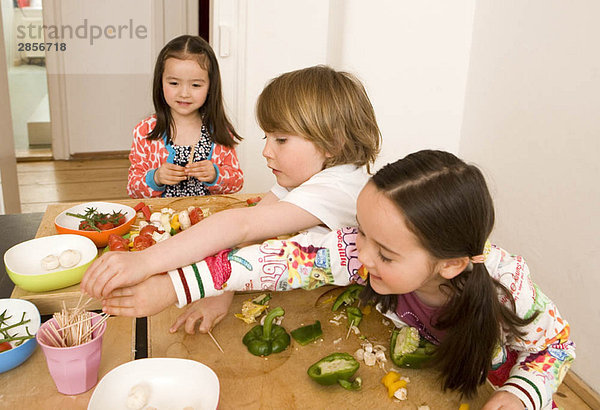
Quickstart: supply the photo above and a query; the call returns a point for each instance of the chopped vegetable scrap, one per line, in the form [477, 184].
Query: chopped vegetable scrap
[347, 297]
[8, 340]
[251, 309]
[262, 340]
[98, 221]
[409, 349]
[396, 385]
[354, 316]
[306, 334]
[371, 354]
[336, 368]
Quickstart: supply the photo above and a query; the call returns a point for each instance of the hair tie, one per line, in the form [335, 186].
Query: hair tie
[486, 251]
[478, 259]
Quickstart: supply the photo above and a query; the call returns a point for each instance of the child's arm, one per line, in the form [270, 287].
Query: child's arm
[219, 231]
[140, 181]
[229, 176]
[545, 352]
[307, 261]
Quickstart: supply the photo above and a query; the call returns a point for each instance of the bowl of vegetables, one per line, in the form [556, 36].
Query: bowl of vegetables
[49, 262]
[19, 323]
[96, 220]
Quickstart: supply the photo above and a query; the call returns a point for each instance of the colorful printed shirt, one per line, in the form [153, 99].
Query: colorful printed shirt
[531, 367]
[147, 156]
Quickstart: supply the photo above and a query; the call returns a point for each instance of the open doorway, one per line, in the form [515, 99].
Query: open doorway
[27, 79]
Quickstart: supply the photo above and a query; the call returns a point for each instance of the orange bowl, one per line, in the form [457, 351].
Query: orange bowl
[70, 224]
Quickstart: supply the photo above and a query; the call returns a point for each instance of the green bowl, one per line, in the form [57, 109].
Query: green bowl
[23, 262]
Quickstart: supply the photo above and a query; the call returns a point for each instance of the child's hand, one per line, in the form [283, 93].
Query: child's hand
[169, 174]
[144, 299]
[202, 170]
[210, 310]
[114, 270]
[503, 400]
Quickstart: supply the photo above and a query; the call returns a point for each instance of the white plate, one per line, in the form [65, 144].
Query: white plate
[72, 222]
[172, 383]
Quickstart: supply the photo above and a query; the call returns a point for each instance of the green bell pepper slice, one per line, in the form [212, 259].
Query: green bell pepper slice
[268, 338]
[330, 369]
[348, 385]
[354, 316]
[306, 334]
[409, 349]
[348, 296]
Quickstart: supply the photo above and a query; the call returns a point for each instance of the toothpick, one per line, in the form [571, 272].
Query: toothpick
[191, 159]
[215, 340]
[350, 328]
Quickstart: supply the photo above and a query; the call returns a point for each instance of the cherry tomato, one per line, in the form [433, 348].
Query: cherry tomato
[253, 201]
[196, 215]
[5, 346]
[105, 226]
[117, 243]
[142, 242]
[149, 230]
[85, 226]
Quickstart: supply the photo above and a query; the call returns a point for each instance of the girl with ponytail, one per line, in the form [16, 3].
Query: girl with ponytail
[424, 222]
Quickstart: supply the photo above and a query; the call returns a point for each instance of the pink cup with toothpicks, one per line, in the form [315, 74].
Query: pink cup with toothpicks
[74, 369]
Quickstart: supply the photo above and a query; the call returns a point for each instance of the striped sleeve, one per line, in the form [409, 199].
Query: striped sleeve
[307, 261]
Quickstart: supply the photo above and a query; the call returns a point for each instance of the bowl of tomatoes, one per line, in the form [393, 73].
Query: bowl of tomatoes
[19, 323]
[96, 221]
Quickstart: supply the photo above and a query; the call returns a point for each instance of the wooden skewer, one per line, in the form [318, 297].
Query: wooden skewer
[350, 328]
[215, 340]
[191, 158]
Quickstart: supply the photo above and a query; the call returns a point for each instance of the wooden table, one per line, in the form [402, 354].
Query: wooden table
[278, 381]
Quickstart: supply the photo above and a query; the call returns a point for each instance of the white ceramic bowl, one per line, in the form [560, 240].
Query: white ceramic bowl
[172, 384]
[24, 262]
[15, 308]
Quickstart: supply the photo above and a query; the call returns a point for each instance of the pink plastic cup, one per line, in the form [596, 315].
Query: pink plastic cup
[73, 369]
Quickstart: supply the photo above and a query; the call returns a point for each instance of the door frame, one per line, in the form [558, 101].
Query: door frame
[8, 162]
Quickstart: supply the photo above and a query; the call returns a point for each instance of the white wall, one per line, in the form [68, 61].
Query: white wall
[412, 57]
[531, 121]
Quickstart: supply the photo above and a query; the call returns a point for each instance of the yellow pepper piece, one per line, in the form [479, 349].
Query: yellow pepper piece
[395, 386]
[175, 222]
[464, 406]
[392, 381]
[389, 378]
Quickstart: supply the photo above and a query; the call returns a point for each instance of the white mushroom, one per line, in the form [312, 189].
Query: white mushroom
[401, 393]
[69, 258]
[184, 220]
[50, 262]
[138, 397]
[369, 358]
[155, 217]
[359, 354]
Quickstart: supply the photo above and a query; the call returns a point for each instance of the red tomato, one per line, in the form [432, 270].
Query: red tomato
[142, 242]
[120, 219]
[149, 230]
[5, 346]
[117, 243]
[253, 201]
[196, 215]
[105, 227]
[85, 226]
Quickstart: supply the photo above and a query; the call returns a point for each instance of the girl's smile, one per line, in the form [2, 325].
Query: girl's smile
[185, 87]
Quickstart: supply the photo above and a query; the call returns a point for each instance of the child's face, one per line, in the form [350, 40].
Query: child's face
[393, 255]
[293, 159]
[185, 86]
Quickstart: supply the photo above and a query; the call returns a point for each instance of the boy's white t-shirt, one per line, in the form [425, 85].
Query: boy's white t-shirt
[329, 195]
